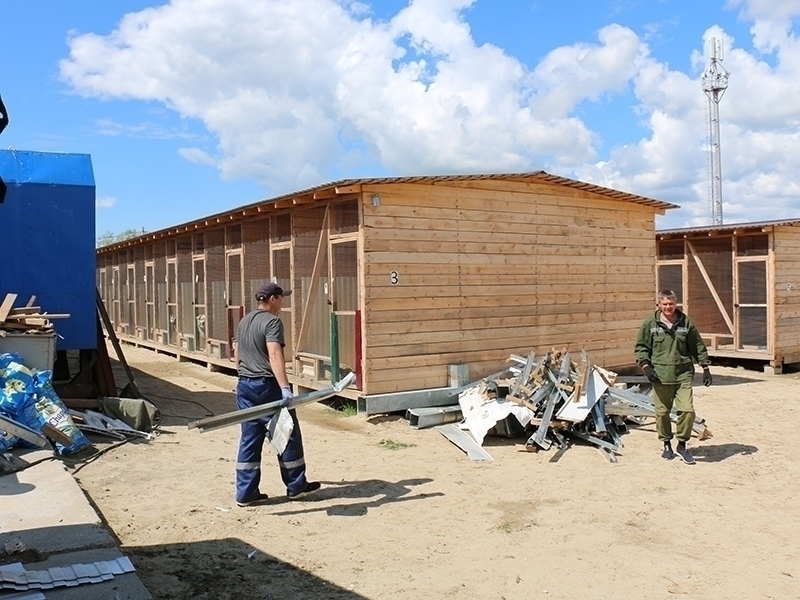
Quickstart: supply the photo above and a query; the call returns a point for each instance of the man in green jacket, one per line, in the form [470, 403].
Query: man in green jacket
[667, 346]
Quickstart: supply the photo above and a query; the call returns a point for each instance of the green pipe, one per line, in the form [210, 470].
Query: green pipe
[334, 347]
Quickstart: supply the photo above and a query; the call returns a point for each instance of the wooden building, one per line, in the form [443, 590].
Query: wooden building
[411, 275]
[740, 284]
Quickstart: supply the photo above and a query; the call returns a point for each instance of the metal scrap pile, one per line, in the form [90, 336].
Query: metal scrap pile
[553, 400]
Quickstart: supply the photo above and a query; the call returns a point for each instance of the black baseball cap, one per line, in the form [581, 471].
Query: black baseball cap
[265, 290]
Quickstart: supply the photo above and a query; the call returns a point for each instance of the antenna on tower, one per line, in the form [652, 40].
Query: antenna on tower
[715, 82]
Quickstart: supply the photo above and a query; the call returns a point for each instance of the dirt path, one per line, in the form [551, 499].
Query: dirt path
[425, 522]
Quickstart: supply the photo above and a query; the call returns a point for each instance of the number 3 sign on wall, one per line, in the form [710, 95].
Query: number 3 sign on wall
[394, 277]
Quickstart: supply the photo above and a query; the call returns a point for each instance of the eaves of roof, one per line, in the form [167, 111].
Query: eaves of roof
[726, 228]
[347, 186]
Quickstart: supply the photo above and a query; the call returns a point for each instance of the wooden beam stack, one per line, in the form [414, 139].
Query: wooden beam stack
[25, 319]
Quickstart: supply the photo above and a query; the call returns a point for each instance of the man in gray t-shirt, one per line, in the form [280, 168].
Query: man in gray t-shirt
[258, 353]
[256, 330]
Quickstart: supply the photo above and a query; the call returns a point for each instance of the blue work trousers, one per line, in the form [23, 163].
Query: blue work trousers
[255, 391]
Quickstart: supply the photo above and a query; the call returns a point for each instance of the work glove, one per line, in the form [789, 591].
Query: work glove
[288, 396]
[706, 377]
[650, 373]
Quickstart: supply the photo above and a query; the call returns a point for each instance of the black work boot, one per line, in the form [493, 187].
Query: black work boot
[685, 455]
[667, 454]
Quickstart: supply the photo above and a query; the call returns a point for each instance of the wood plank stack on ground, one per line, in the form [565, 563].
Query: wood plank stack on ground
[25, 319]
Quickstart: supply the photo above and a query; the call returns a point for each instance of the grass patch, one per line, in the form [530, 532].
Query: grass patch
[505, 527]
[391, 444]
[342, 408]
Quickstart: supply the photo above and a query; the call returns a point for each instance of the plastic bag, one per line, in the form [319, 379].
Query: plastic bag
[9, 357]
[16, 384]
[279, 430]
[50, 409]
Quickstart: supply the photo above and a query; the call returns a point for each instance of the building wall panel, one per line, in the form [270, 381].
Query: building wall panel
[482, 273]
[787, 291]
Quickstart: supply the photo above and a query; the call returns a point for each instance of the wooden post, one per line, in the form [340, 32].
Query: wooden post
[359, 352]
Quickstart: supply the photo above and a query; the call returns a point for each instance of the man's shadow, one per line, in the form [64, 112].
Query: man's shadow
[389, 492]
[719, 452]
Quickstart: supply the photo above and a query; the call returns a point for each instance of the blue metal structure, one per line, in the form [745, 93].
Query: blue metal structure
[47, 239]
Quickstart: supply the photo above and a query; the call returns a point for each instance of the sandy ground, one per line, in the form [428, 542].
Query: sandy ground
[423, 521]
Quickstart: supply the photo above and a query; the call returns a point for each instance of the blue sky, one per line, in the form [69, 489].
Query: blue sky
[196, 106]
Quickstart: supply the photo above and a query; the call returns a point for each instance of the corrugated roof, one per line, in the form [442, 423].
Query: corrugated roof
[315, 194]
[728, 227]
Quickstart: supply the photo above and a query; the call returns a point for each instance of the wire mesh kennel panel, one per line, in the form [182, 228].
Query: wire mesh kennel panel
[215, 278]
[710, 278]
[312, 287]
[256, 259]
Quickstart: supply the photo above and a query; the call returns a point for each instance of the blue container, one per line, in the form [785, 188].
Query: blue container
[47, 239]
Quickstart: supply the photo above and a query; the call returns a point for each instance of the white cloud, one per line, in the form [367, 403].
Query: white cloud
[197, 156]
[293, 90]
[110, 127]
[760, 135]
[771, 10]
[571, 74]
[105, 202]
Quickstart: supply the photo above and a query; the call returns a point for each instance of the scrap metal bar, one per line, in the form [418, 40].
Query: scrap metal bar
[465, 441]
[251, 414]
[555, 383]
[22, 431]
[591, 439]
[540, 394]
[627, 410]
[402, 401]
[612, 458]
[614, 435]
[526, 373]
[420, 418]
[645, 402]
[599, 417]
[541, 432]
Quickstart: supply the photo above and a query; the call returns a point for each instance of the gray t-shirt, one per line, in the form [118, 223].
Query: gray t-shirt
[255, 330]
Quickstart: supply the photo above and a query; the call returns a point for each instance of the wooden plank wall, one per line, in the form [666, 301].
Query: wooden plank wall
[489, 268]
[787, 293]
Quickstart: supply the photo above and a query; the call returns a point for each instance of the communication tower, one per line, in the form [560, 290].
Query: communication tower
[715, 82]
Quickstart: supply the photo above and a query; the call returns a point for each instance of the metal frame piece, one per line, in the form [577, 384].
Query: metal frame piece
[526, 373]
[22, 431]
[592, 440]
[420, 418]
[465, 441]
[250, 414]
[388, 403]
[541, 432]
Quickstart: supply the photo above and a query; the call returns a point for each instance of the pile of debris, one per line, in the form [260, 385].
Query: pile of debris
[25, 319]
[553, 400]
[33, 415]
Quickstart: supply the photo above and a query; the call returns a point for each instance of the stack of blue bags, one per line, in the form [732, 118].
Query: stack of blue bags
[27, 397]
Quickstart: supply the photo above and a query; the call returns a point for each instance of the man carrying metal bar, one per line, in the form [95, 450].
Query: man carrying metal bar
[261, 366]
[667, 346]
